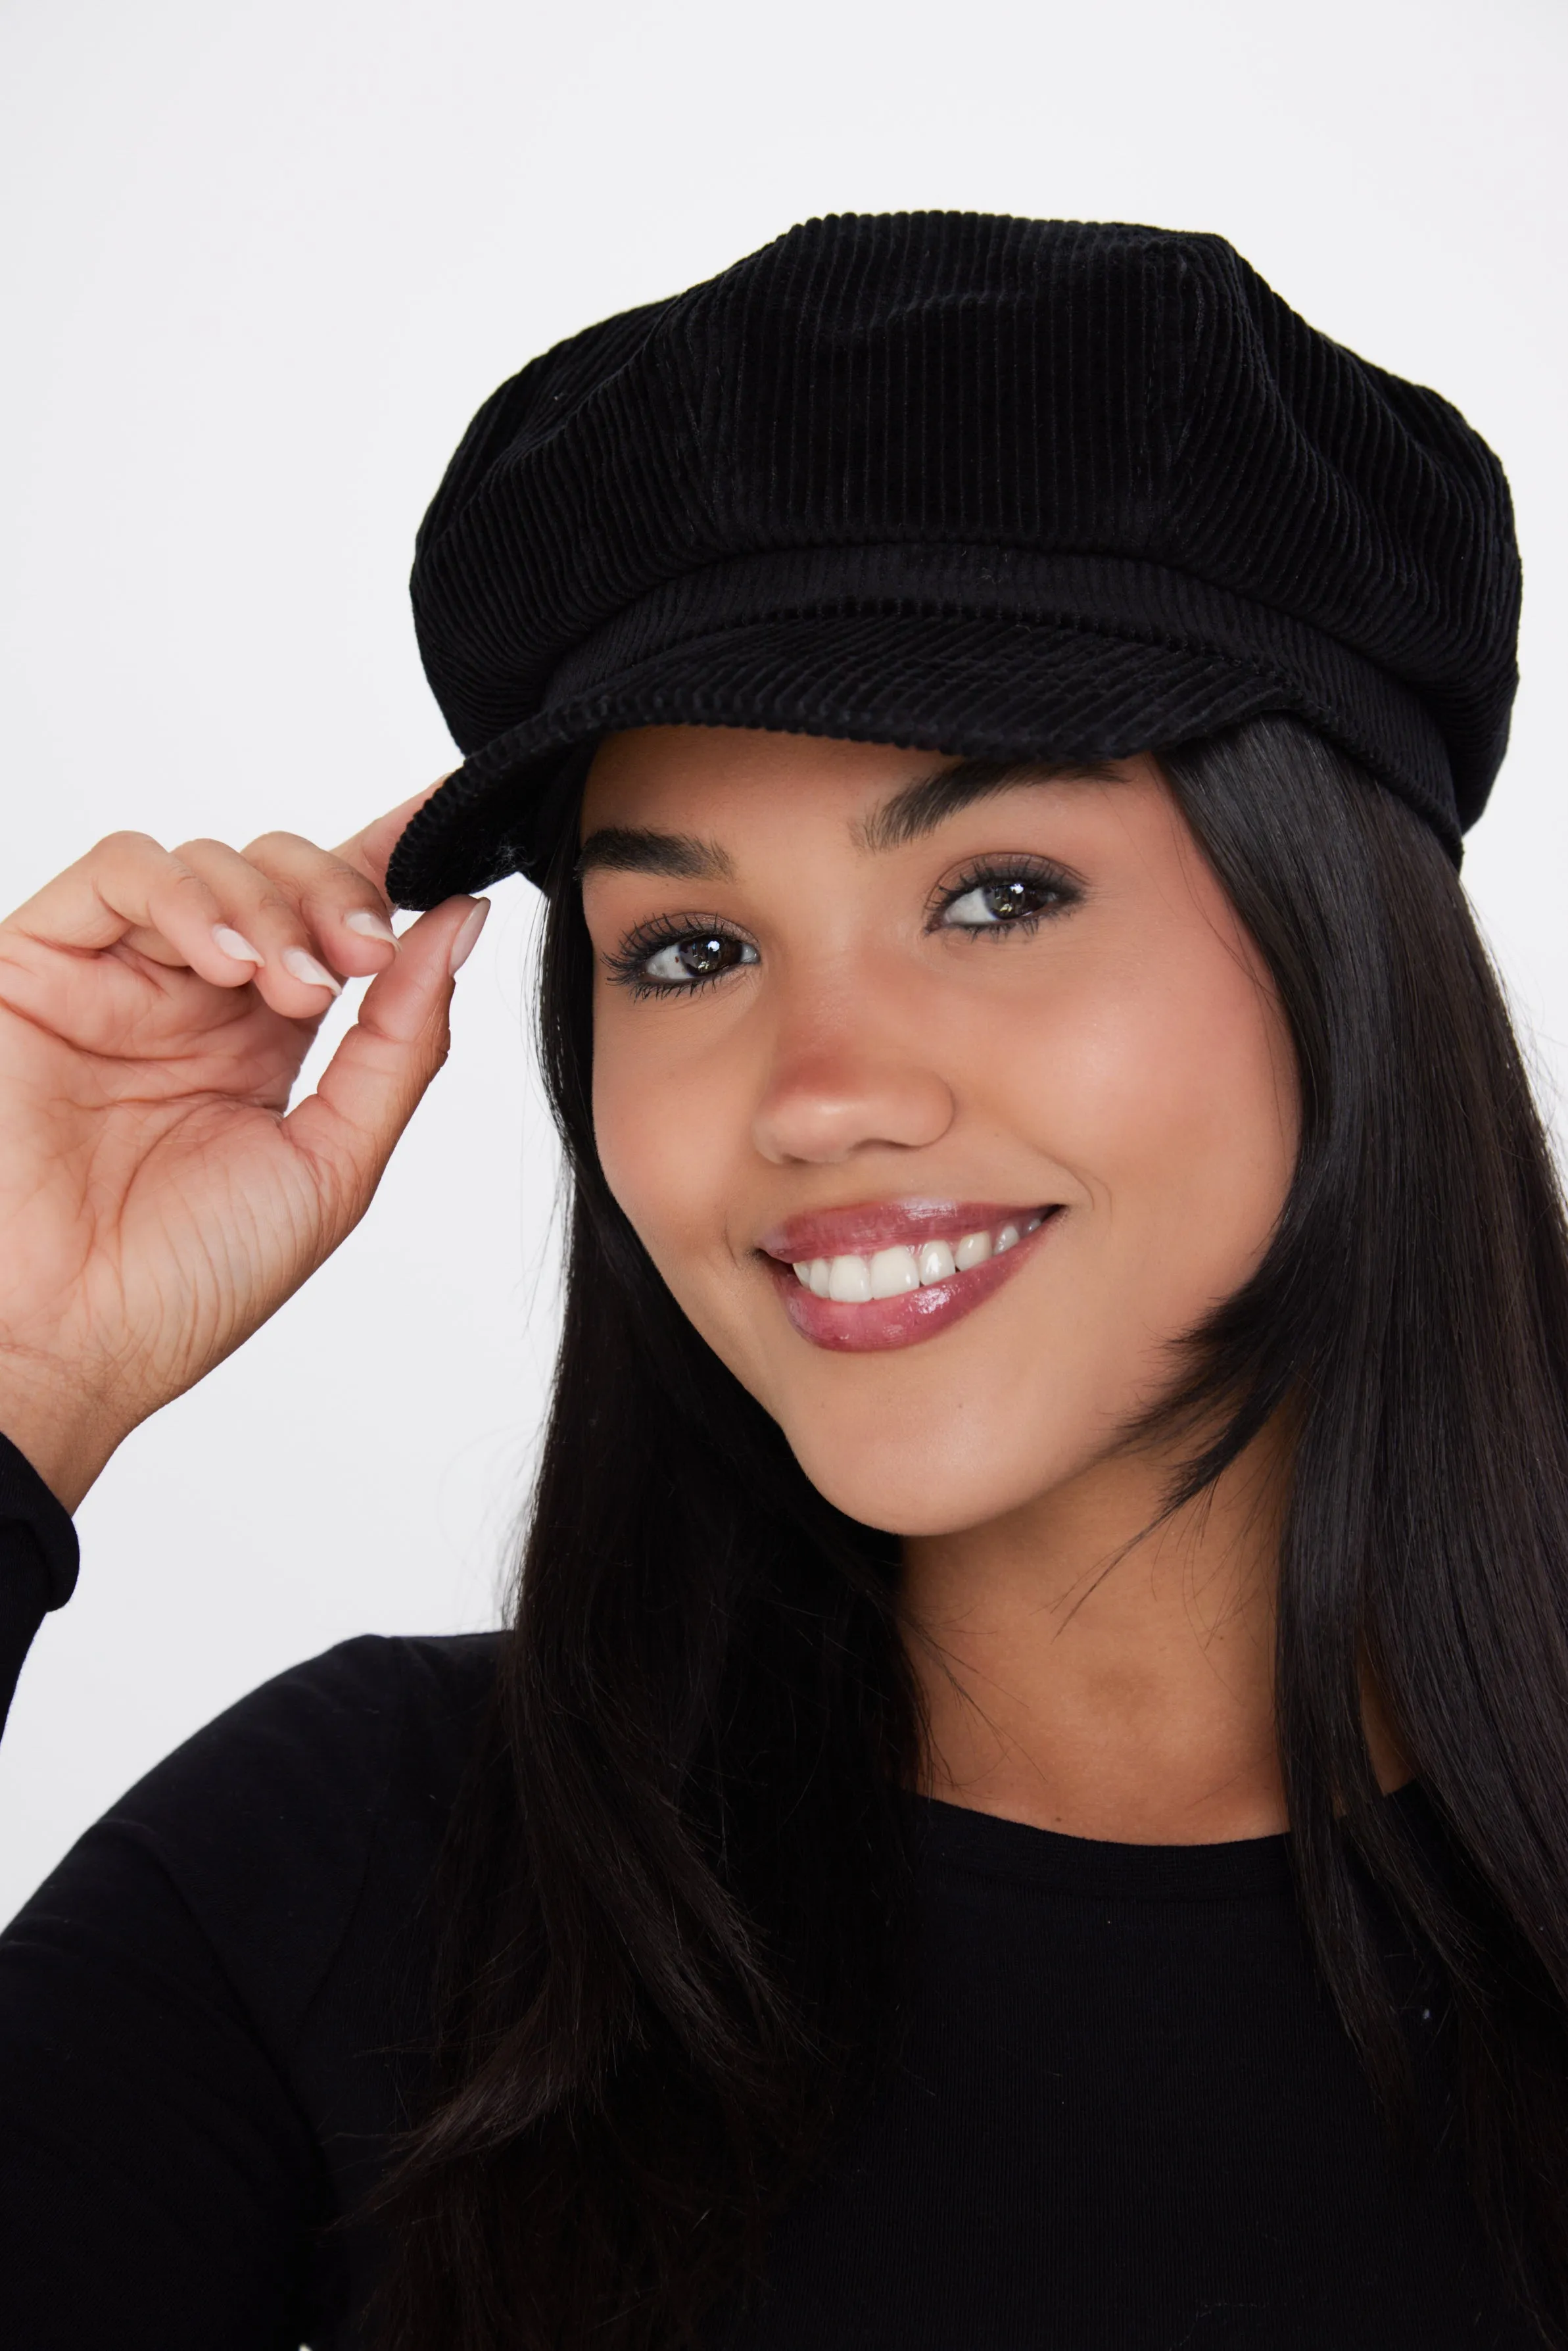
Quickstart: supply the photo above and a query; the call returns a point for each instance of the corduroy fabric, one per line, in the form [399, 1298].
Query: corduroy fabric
[993, 488]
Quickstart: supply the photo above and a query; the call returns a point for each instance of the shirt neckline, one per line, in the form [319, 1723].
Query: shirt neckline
[952, 1838]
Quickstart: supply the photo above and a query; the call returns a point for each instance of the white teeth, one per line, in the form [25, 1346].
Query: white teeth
[936, 1263]
[849, 1282]
[893, 1272]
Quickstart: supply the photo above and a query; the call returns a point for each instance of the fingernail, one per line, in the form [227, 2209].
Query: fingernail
[238, 949]
[370, 926]
[467, 939]
[306, 967]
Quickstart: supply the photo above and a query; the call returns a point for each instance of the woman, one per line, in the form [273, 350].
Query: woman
[1021, 1802]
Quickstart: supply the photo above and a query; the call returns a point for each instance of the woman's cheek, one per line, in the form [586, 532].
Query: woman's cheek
[1171, 1098]
[667, 1147]
[631, 1120]
[1185, 1114]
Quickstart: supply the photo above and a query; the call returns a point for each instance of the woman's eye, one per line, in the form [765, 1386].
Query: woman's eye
[700, 954]
[992, 905]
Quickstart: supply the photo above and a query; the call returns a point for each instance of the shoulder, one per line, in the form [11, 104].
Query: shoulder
[321, 1743]
[264, 1829]
[210, 2014]
[346, 1709]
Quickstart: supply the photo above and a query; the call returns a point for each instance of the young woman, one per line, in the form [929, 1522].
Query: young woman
[1022, 1802]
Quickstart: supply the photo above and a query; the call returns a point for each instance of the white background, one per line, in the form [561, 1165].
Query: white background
[262, 260]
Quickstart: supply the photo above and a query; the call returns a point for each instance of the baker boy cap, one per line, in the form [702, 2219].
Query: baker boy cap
[998, 488]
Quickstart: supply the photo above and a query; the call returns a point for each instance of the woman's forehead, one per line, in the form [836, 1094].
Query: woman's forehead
[663, 761]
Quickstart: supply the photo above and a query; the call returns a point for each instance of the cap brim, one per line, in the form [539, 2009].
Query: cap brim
[1027, 690]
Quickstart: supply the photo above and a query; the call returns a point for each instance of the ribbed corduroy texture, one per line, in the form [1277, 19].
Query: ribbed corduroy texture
[988, 486]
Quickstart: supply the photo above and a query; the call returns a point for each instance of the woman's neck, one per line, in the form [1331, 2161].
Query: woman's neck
[1085, 1675]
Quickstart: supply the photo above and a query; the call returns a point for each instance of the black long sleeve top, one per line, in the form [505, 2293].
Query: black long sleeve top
[1126, 2120]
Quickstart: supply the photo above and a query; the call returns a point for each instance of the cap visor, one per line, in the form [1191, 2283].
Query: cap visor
[969, 688]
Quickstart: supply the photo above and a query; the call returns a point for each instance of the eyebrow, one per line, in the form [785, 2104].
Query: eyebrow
[907, 815]
[634, 848]
[920, 807]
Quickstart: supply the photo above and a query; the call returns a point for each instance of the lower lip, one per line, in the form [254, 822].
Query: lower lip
[902, 1321]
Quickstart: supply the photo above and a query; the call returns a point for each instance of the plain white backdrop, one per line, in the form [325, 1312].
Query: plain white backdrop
[262, 260]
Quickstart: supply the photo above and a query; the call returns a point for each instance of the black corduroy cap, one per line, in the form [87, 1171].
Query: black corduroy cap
[991, 487]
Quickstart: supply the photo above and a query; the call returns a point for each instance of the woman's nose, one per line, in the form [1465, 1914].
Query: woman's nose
[825, 1103]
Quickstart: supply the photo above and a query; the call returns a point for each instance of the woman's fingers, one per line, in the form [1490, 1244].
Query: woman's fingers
[298, 887]
[373, 1083]
[286, 916]
[130, 887]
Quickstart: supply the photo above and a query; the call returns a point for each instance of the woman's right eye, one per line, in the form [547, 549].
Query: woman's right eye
[687, 962]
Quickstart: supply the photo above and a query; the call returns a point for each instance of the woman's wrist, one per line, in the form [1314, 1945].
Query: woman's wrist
[62, 1437]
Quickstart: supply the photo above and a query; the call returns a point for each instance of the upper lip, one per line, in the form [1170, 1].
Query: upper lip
[872, 1224]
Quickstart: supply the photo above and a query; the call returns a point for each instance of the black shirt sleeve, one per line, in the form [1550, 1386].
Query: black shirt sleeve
[203, 2011]
[38, 1563]
[191, 2069]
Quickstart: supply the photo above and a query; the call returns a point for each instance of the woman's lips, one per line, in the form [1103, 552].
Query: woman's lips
[890, 1274]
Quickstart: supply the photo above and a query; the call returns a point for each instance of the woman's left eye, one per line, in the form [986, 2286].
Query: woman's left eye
[1001, 901]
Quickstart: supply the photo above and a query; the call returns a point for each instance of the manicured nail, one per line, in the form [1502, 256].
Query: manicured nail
[238, 949]
[369, 925]
[467, 939]
[306, 967]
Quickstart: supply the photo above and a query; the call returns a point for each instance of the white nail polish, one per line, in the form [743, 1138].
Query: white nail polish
[237, 949]
[370, 926]
[303, 967]
[467, 939]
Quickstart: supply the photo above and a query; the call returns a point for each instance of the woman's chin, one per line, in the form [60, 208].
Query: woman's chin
[913, 1490]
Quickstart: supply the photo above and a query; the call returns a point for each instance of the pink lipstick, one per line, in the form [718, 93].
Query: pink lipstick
[888, 1273]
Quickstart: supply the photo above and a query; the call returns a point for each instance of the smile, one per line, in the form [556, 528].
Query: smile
[889, 1274]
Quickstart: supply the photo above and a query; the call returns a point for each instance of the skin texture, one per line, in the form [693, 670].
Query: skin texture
[1125, 1060]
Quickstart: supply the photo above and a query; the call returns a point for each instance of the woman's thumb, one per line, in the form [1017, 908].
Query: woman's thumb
[374, 1081]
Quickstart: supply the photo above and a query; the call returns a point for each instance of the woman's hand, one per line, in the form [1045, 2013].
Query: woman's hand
[156, 1203]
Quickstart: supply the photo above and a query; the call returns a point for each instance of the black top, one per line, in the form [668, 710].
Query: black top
[1126, 2119]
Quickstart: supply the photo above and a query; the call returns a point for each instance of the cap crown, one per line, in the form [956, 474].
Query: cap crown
[961, 379]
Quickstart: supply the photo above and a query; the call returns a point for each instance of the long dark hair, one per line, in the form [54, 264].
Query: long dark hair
[678, 1883]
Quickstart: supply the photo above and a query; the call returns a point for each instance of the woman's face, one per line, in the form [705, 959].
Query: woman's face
[997, 1071]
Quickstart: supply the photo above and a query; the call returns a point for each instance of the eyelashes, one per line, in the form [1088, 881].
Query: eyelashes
[1003, 896]
[1006, 897]
[696, 952]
